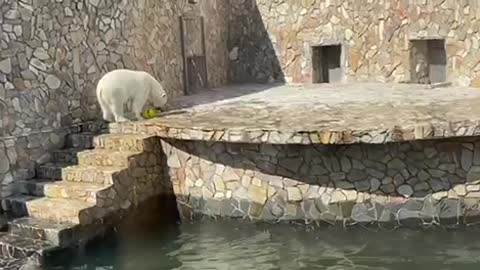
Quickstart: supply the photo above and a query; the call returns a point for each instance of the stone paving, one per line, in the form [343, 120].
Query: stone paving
[327, 114]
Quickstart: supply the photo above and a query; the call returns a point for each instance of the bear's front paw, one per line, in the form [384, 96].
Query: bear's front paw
[121, 120]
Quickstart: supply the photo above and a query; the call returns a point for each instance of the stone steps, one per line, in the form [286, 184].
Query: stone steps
[51, 213]
[56, 233]
[107, 158]
[89, 126]
[60, 234]
[63, 234]
[66, 156]
[20, 247]
[92, 174]
[51, 171]
[80, 140]
[32, 187]
[38, 224]
[75, 190]
[126, 142]
[65, 210]
[16, 205]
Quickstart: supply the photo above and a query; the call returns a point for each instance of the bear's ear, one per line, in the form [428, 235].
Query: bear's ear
[164, 94]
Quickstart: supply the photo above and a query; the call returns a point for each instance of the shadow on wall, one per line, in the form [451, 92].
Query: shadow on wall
[418, 182]
[251, 51]
[427, 167]
[155, 211]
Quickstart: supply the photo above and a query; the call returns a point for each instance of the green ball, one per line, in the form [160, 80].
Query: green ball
[149, 114]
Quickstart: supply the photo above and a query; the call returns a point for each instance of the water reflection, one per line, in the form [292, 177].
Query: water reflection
[233, 245]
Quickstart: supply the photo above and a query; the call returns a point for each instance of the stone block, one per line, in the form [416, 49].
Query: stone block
[77, 191]
[70, 211]
[257, 195]
[473, 174]
[91, 174]
[60, 234]
[109, 158]
[294, 194]
[450, 211]
[127, 142]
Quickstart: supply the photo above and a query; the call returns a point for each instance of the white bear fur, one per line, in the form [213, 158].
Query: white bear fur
[128, 87]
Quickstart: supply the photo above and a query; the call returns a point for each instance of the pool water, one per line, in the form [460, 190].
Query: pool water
[241, 245]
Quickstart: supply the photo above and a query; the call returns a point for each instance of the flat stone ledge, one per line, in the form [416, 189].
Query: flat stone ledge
[327, 114]
[396, 134]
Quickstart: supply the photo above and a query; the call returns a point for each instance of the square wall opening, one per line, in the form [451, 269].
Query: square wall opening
[428, 61]
[327, 64]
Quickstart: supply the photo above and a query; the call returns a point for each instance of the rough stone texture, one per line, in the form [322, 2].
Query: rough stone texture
[373, 113]
[12, 264]
[123, 171]
[429, 182]
[375, 36]
[30, 156]
[53, 53]
[22, 156]
[118, 176]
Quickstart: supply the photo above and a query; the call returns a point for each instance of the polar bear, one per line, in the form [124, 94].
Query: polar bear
[128, 87]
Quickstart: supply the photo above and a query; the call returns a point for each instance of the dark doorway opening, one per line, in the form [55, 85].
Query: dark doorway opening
[195, 73]
[428, 60]
[327, 64]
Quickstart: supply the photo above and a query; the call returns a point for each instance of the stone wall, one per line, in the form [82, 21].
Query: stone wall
[275, 37]
[420, 183]
[53, 53]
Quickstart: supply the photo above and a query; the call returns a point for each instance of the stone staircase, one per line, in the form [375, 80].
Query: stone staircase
[74, 197]
[81, 138]
[25, 236]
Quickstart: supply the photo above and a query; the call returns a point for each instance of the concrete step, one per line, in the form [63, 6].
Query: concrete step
[89, 126]
[32, 187]
[80, 140]
[19, 247]
[51, 170]
[76, 190]
[59, 234]
[127, 142]
[93, 174]
[94, 126]
[62, 210]
[68, 155]
[101, 157]
[16, 205]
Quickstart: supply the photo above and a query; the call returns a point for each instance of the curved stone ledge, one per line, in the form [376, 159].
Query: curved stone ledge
[332, 114]
[434, 182]
[306, 137]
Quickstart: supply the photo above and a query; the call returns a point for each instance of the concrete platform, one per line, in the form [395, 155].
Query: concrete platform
[237, 152]
[373, 113]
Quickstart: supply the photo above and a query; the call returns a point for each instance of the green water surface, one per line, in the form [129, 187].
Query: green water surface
[233, 245]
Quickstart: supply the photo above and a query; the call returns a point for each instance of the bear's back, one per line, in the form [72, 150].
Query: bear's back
[123, 78]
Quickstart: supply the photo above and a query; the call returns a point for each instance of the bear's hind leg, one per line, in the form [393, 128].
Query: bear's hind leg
[106, 111]
[117, 110]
